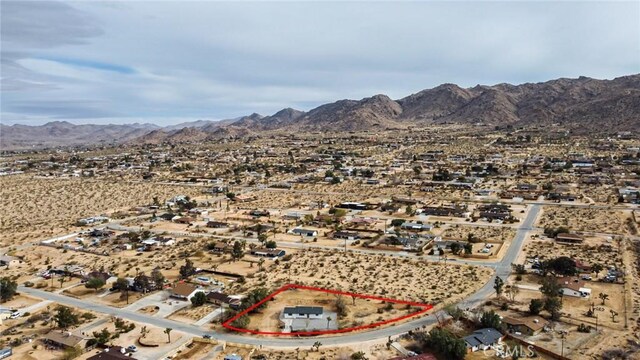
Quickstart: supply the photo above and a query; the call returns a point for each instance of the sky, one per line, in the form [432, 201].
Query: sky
[167, 62]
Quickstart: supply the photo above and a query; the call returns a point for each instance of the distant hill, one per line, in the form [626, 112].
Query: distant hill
[63, 133]
[583, 105]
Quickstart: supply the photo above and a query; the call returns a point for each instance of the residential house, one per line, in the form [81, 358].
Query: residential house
[217, 224]
[304, 232]
[113, 353]
[569, 238]
[218, 298]
[347, 235]
[573, 287]
[64, 340]
[483, 339]
[303, 312]
[416, 226]
[270, 253]
[184, 291]
[525, 325]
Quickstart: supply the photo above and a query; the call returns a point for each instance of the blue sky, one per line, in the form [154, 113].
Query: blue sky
[167, 62]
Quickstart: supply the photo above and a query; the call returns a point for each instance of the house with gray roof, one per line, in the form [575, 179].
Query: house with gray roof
[483, 339]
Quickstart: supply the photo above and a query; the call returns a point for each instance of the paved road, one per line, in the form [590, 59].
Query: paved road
[503, 269]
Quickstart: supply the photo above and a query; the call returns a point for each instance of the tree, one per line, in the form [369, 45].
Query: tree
[102, 337]
[242, 322]
[512, 292]
[329, 321]
[65, 317]
[122, 284]
[157, 277]
[553, 306]
[95, 283]
[8, 288]
[455, 248]
[168, 332]
[198, 299]
[498, 284]
[187, 269]
[358, 356]
[143, 332]
[468, 248]
[316, 345]
[535, 306]
[613, 315]
[142, 282]
[254, 297]
[260, 263]
[562, 265]
[550, 287]
[445, 343]
[237, 252]
[262, 237]
[490, 319]
[271, 244]
[604, 297]
[597, 268]
[341, 307]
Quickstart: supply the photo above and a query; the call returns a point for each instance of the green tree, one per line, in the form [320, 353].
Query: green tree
[187, 269]
[158, 278]
[535, 306]
[468, 248]
[498, 285]
[237, 253]
[455, 248]
[490, 319]
[597, 268]
[168, 332]
[8, 288]
[316, 345]
[271, 244]
[199, 299]
[95, 283]
[550, 286]
[445, 343]
[242, 322]
[553, 306]
[102, 337]
[65, 317]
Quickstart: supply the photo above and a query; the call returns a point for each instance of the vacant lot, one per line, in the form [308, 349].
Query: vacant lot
[395, 278]
[583, 219]
[36, 208]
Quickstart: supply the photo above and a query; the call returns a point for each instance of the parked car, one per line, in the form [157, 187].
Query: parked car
[132, 348]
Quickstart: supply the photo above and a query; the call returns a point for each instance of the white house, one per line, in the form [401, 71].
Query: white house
[304, 232]
[303, 312]
[575, 288]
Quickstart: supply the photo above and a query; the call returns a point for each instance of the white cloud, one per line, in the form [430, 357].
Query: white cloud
[222, 60]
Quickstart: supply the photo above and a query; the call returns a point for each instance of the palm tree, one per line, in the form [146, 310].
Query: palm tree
[328, 321]
[168, 332]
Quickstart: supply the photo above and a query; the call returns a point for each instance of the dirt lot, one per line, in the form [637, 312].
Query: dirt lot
[583, 219]
[36, 208]
[402, 279]
[484, 233]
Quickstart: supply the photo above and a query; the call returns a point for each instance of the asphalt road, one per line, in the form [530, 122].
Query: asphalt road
[503, 269]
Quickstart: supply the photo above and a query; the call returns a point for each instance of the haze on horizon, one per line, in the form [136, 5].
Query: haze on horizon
[167, 62]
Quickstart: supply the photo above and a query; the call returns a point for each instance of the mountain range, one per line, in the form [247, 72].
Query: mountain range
[583, 105]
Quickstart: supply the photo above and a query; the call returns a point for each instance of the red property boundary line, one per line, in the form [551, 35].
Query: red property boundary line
[227, 324]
